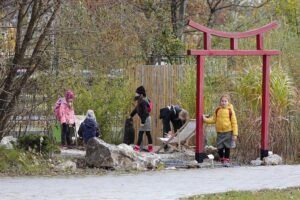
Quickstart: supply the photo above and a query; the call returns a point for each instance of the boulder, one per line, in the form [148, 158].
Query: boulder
[103, 155]
[8, 142]
[67, 165]
[273, 159]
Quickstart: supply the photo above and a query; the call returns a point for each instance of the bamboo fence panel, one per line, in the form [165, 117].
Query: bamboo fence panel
[160, 83]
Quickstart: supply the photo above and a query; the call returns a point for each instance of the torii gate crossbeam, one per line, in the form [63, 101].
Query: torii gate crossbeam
[234, 36]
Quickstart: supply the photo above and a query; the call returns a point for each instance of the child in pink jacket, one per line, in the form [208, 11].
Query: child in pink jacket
[67, 118]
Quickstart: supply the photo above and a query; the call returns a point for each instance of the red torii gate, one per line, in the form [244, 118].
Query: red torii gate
[208, 51]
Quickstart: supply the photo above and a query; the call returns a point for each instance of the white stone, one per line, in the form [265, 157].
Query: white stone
[211, 150]
[273, 159]
[8, 141]
[71, 153]
[67, 165]
[170, 168]
[257, 162]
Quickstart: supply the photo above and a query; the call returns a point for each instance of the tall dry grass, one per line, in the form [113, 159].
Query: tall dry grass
[245, 88]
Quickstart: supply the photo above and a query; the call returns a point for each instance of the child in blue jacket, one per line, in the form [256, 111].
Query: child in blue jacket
[89, 128]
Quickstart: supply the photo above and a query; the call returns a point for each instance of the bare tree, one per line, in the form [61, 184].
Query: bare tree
[33, 21]
[216, 6]
[178, 11]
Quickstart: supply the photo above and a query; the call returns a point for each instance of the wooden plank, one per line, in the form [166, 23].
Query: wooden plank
[233, 44]
[265, 106]
[259, 42]
[207, 41]
[199, 108]
[233, 52]
[154, 112]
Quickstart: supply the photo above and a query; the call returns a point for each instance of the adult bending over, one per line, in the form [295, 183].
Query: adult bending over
[175, 115]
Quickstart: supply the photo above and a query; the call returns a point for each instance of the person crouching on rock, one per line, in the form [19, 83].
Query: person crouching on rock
[226, 127]
[89, 128]
[141, 108]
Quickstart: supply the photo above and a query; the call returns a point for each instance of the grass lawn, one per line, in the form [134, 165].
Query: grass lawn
[278, 194]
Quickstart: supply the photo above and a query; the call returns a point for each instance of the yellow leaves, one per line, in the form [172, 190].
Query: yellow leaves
[11, 39]
[8, 40]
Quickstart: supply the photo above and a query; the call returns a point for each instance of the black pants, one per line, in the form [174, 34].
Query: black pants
[140, 138]
[66, 134]
[224, 151]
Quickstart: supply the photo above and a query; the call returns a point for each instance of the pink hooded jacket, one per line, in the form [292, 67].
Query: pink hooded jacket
[66, 113]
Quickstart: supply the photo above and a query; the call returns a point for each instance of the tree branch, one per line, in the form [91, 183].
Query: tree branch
[43, 35]
[30, 28]
[19, 30]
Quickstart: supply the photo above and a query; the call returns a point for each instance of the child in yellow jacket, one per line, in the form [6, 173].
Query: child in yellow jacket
[226, 127]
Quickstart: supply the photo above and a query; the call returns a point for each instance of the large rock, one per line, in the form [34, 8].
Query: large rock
[8, 142]
[273, 159]
[103, 155]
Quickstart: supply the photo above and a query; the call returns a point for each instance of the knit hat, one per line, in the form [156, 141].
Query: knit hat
[90, 115]
[141, 90]
[69, 95]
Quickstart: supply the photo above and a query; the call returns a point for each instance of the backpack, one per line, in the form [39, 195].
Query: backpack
[150, 104]
[57, 106]
[230, 112]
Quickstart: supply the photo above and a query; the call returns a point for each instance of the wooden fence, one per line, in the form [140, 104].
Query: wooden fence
[161, 84]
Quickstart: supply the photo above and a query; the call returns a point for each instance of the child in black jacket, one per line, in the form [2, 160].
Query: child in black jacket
[141, 109]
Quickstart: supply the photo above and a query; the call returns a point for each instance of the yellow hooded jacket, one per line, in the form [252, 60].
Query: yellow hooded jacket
[222, 120]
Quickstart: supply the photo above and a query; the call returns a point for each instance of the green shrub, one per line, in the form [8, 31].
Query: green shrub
[111, 101]
[17, 161]
[36, 143]
[7, 158]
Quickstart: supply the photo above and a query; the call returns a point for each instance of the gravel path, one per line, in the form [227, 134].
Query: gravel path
[171, 184]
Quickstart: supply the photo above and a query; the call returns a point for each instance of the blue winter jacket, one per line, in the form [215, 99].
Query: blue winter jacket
[88, 129]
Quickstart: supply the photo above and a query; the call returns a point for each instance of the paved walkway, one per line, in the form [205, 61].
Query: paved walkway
[150, 185]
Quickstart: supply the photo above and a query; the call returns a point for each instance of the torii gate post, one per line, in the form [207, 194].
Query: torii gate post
[234, 36]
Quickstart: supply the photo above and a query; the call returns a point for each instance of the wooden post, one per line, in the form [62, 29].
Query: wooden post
[233, 44]
[259, 42]
[207, 41]
[265, 106]
[199, 151]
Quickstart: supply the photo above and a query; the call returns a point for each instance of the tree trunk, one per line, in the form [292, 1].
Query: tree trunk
[174, 16]
[12, 85]
[178, 10]
[181, 22]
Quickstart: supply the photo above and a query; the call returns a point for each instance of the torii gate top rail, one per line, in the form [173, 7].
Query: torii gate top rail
[268, 27]
[233, 36]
